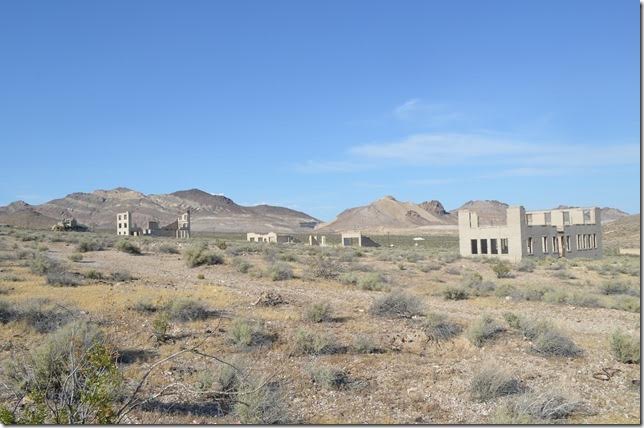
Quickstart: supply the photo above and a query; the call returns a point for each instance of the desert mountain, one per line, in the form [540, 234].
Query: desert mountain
[623, 232]
[608, 214]
[210, 213]
[490, 212]
[390, 215]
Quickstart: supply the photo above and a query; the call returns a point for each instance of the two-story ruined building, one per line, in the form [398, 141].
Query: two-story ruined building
[572, 232]
[180, 228]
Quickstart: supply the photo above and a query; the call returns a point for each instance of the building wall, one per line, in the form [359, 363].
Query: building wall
[124, 223]
[469, 229]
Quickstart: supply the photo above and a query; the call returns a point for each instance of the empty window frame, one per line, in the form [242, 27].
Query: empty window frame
[544, 244]
[566, 217]
[475, 246]
[528, 219]
[586, 243]
[567, 242]
[504, 245]
[483, 246]
[555, 244]
[594, 240]
[547, 217]
[530, 246]
[586, 216]
[578, 242]
[119, 216]
[493, 247]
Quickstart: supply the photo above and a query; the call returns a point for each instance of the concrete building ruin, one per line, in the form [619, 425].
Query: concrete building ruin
[571, 232]
[317, 240]
[179, 228]
[271, 237]
[356, 239]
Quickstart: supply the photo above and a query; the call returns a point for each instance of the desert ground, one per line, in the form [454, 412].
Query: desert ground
[263, 333]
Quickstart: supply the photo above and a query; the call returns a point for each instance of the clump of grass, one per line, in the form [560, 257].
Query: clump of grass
[262, 405]
[397, 304]
[63, 279]
[199, 255]
[319, 312]
[87, 245]
[128, 247]
[429, 266]
[492, 381]
[626, 303]
[329, 377]
[348, 278]
[186, 309]
[145, 306]
[546, 339]
[42, 265]
[279, 272]
[526, 265]
[244, 333]
[307, 342]
[324, 268]
[610, 288]
[241, 265]
[483, 330]
[502, 269]
[455, 293]
[439, 328]
[121, 276]
[453, 271]
[373, 281]
[626, 348]
[38, 314]
[364, 344]
[76, 257]
[538, 408]
[93, 274]
[168, 249]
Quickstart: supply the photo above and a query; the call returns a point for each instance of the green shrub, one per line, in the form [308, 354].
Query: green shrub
[199, 255]
[626, 348]
[513, 320]
[186, 309]
[76, 257]
[245, 333]
[93, 274]
[626, 303]
[505, 290]
[438, 328]
[397, 304]
[538, 408]
[492, 381]
[455, 293]
[279, 272]
[502, 269]
[319, 312]
[307, 342]
[63, 279]
[87, 245]
[72, 378]
[128, 247]
[554, 343]
[241, 265]
[483, 330]
[526, 265]
[168, 249]
[429, 266]
[42, 265]
[160, 326]
[609, 288]
[364, 344]
[324, 268]
[145, 306]
[373, 281]
[121, 276]
[348, 278]
[329, 377]
[262, 405]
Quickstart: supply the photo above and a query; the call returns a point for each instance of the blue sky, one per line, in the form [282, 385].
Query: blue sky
[323, 105]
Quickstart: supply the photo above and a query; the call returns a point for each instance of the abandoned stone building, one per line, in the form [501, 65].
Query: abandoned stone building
[572, 232]
[270, 237]
[317, 240]
[356, 239]
[179, 228]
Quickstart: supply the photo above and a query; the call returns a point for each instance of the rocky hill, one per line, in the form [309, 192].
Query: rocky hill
[210, 213]
[608, 214]
[490, 212]
[623, 232]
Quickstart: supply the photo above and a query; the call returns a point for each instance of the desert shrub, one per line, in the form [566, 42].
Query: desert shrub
[93, 274]
[168, 249]
[429, 266]
[307, 342]
[453, 270]
[243, 249]
[63, 279]
[72, 378]
[201, 276]
[438, 327]
[319, 312]
[609, 288]
[373, 281]
[145, 306]
[526, 265]
[513, 320]
[87, 245]
[329, 377]
[502, 269]
[538, 408]
[121, 276]
[626, 348]
[279, 272]
[492, 381]
[160, 326]
[9, 278]
[76, 257]
[626, 303]
[554, 343]
[448, 258]
[397, 304]
[483, 330]
[186, 309]
[455, 293]
[221, 244]
[199, 255]
[126, 246]
[42, 265]
[241, 265]
[364, 344]
[485, 288]
[42, 247]
[8, 312]
[471, 279]
[563, 274]
[583, 299]
[348, 278]
[245, 333]
[42, 317]
[262, 405]
[324, 268]
[505, 290]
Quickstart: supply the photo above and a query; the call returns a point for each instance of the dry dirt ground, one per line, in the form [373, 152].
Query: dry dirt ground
[407, 379]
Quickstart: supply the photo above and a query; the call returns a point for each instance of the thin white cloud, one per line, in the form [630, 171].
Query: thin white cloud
[422, 113]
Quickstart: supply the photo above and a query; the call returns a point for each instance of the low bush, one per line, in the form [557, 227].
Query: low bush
[121, 276]
[526, 265]
[241, 265]
[319, 312]
[186, 309]
[199, 255]
[554, 343]
[492, 381]
[145, 306]
[324, 268]
[373, 281]
[262, 405]
[329, 377]
[307, 342]
[626, 348]
[42, 265]
[483, 330]
[364, 344]
[279, 272]
[438, 327]
[455, 293]
[348, 278]
[76, 257]
[626, 303]
[63, 279]
[245, 333]
[93, 274]
[538, 408]
[168, 249]
[42, 317]
[87, 245]
[609, 288]
[397, 304]
[429, 266]
[128, 247]
[502, 269]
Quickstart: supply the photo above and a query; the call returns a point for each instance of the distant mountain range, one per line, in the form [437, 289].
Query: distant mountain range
[210, 213]
[215, 213]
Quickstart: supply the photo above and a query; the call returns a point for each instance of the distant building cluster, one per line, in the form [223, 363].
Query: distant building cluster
[179, 228]
[573, 232]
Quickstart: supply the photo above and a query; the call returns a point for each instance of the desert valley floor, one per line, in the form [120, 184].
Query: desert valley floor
[331, 335]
